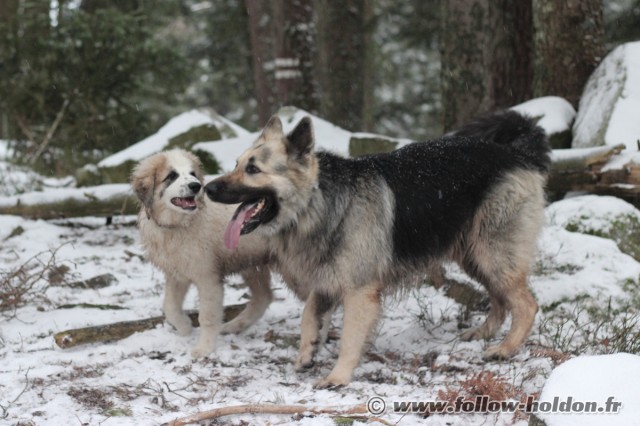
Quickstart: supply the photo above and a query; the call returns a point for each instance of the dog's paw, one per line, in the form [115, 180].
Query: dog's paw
[331, 382]
[234, 327]
[202, 350]
[497, 353]
[304, 361]
[182, 324]
[303, 365]
[476, 333]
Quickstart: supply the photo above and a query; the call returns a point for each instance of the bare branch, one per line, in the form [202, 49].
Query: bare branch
[270, 409]
[47, 138]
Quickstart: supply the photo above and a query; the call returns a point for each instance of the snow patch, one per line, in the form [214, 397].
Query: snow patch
[595, 379]
[608, 111]
[556, 114]
[174, 127]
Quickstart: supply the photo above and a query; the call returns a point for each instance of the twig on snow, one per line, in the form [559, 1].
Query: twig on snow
[273, 409]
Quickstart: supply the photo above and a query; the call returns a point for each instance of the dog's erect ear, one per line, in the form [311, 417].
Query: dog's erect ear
[300, 140]
[273, 129]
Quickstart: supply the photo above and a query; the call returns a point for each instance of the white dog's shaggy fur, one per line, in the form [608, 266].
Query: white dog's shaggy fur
[182, 234]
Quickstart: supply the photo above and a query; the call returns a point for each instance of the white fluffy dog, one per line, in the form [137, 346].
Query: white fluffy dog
[182, 234]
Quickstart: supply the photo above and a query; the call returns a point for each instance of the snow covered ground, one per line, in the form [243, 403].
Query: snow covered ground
[587, 288]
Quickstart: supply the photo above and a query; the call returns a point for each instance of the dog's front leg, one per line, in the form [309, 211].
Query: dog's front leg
[361, 313]
[174, 293]
[211, 295]
[316, 319]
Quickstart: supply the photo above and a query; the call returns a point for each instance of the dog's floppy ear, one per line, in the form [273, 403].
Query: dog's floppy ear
[143, 182]
[300, 140]
[273, 129]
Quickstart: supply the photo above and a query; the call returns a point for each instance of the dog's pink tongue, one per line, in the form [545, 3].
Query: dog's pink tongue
[232, 234]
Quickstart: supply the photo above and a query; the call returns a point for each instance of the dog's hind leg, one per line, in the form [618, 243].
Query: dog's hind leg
[498, 252]
[259, 281]
[362, 308]
[316, 318]
[523, 307]
[174, 294]
[495, 318]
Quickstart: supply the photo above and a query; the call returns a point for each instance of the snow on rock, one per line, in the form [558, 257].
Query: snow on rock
[571, 265]
[555, 114]
[608, 111]
[589, 212]
[327, 137]
[603, 380]
[174, 127]
[604, 216]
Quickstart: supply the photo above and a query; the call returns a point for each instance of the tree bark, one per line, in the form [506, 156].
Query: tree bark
[91, 6]
[464, 32]
[345, 33]
[569, 44]
[486, 57]
[509, 54]
[262, 37]
[8, 28]
[296, 70]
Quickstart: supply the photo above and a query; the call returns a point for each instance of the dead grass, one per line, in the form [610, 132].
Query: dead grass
[27, 283]
[484, 384]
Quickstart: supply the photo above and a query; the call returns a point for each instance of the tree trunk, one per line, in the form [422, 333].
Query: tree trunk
[464, 33]
[486, 57]
[126, 6]
[296, 70]
[8, 13]
[345, 33]
[262, 39]
[509, 54]
[569, 37]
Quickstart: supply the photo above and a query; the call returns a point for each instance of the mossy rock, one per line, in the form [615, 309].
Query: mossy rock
[202, 133]
[561, 140]
[624, 229]
[359, 145]
[210, 164]
[91, 175]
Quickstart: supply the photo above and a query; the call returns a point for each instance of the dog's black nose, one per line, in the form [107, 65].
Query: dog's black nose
[195, 187]
[212, 188]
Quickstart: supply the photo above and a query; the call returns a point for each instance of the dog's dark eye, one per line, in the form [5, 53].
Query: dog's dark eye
[193, 174]
[252, 169]
[171, 176]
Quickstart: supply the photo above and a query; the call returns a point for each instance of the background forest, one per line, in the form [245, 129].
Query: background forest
[81, 79]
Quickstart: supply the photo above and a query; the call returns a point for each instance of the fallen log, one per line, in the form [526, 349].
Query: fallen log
[74, 207]
[605, 170]
[120, 330]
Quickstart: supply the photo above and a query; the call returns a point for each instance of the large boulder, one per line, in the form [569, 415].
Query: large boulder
[608, 110]
[554, 114]
[602, 216]
[183, 131]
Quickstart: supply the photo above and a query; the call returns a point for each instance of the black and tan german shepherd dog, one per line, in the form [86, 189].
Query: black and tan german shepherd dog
[348, 231]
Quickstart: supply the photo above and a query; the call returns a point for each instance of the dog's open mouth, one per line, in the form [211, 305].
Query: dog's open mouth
[185, 203]
[247, 217]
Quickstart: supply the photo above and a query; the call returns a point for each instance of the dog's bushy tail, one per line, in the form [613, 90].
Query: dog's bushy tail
[527, 139]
